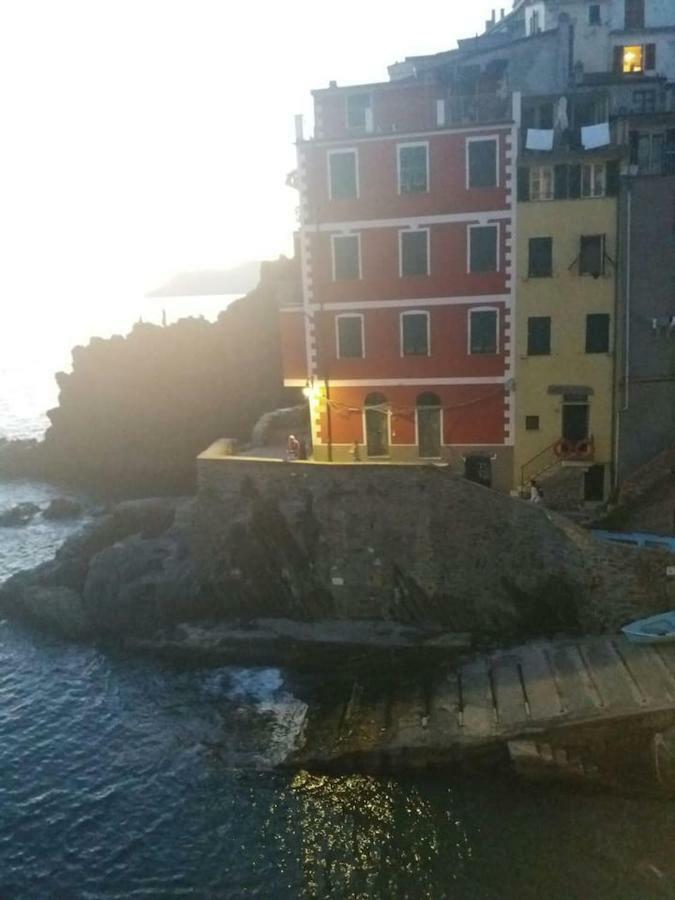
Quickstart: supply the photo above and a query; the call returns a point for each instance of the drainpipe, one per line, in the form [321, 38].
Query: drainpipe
[629, 211]
[626, 342]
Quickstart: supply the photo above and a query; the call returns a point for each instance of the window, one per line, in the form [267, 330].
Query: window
[635, 14]
[342, 174]
[635, 58]
[346, 257]
[534, 22]
[415, 334]
[593, 180]
[414, 252]
[644, 101]
[349, 331]
[597, 333]
[541, 257]
[483, 324]
[358, 111]
[594, 14]
[413, 165]
[482, 163]
[531, 423]
[539, 336]
[541, 183]
[653, 152]
[483, 248]
[592, 255]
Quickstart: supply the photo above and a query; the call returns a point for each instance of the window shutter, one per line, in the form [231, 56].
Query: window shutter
[574, 182]
[650, 57]
[561, 182]
[612, 188]
[634, 145]
[523, 184]
[618, 60]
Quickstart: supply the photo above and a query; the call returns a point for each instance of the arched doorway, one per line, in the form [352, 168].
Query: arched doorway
[377, 425]
[429, 425]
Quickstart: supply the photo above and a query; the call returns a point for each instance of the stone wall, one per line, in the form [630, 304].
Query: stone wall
[412, 544]
[646, 407]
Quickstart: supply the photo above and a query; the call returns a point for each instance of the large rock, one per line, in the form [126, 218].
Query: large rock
[128, 572]
[59, 609]
[139, 584]
[63, 508]
[20, 514]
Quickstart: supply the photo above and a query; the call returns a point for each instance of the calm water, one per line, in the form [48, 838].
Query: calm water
[122, 777]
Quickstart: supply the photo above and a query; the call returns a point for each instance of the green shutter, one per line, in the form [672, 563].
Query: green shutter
[523, 184]
[560, 180]
[612, 178]
[574, 182]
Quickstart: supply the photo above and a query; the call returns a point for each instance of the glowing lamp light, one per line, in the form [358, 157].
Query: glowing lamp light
[309, 391]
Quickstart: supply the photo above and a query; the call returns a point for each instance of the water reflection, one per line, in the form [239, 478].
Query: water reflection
[362, 837]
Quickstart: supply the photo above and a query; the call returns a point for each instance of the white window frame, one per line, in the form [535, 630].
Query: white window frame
[593, 167]
[468, 247]
[414, 312]
[335, 237]
[354, 151]
[480, 309]
[403, 231]
[408, 145]
[360, 316]
[538, 198]
[481, 139]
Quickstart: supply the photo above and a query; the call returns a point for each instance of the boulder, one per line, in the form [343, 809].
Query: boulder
[63, 508]
[20, 514]
[138, 584]
[57, 608]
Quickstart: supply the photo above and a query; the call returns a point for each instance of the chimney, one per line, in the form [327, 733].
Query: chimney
[501, 13]
[332, 84]
[493, 17]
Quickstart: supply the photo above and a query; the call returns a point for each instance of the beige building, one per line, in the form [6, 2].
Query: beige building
[565, 303]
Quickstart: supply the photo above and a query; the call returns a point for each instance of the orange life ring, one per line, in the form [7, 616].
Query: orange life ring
[562, 447]
[583, 448]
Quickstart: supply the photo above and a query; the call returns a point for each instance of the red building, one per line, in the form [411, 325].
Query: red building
[403, 340]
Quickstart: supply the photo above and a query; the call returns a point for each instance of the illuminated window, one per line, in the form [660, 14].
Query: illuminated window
[632, 59]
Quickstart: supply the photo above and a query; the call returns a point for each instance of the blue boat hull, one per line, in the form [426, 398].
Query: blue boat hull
[658, 629]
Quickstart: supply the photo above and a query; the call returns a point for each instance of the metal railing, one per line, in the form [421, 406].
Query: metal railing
[558, 452]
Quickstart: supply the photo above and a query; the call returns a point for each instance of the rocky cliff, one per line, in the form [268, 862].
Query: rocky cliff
[136, 410]
[409, 544]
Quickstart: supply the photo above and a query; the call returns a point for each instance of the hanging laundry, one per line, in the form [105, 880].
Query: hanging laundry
[593, 136]
[561, 120]
[539, 139]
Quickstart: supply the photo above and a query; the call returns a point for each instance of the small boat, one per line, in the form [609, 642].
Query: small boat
[653, 630]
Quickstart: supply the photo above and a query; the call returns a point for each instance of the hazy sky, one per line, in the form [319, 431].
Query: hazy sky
[142, 137]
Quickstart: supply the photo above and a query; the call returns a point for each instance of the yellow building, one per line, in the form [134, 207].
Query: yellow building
[565, 302]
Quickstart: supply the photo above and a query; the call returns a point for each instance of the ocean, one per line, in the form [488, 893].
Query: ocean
[124, 777]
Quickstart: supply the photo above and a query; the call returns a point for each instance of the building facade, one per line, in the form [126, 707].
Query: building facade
[565, 329]
[445, 318]
[403, 339]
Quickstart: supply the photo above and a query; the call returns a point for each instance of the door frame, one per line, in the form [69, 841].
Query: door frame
[365, 432]
[441, 425]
